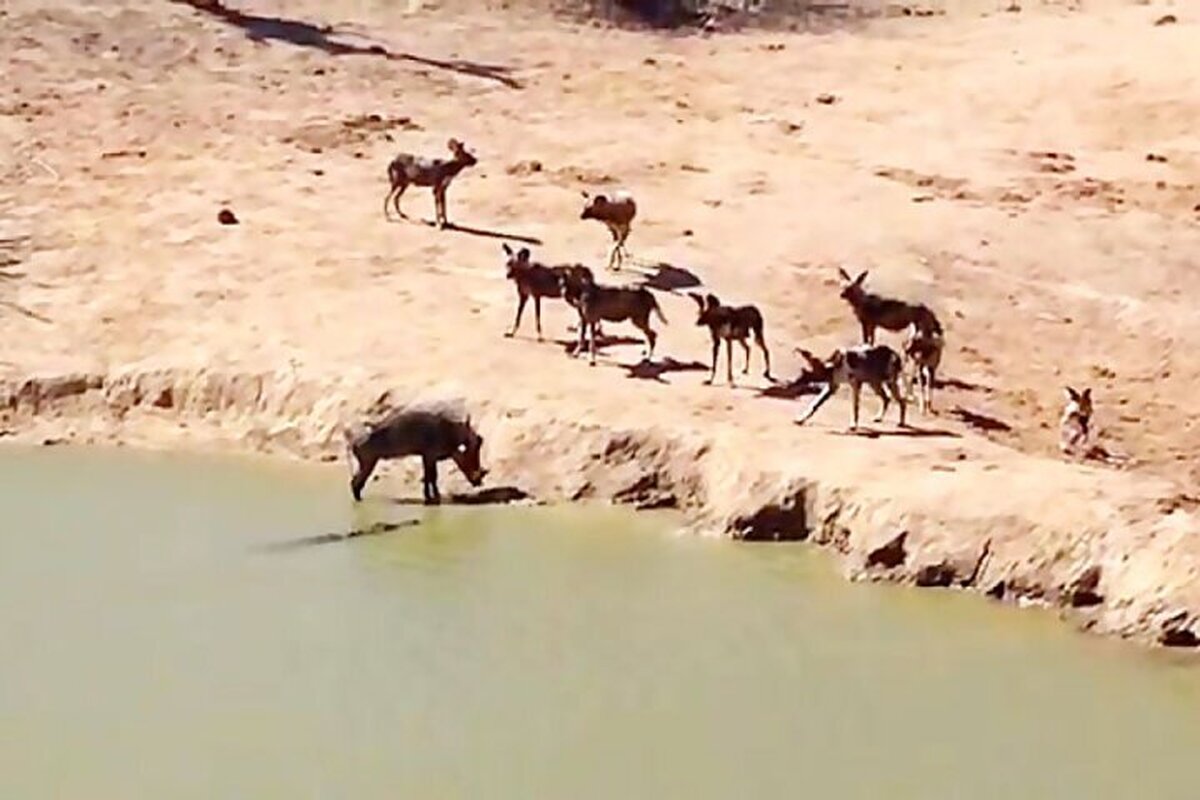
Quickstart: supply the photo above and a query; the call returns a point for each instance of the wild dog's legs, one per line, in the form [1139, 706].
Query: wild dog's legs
[729, 361]
[894, 387]
[879, 390]
[521, 299]
[716, 353]
[855, 395]
[537, 314]
[825, 394]
[746, 348]
[398, 192]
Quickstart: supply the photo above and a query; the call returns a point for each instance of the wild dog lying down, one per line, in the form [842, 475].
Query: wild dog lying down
[923, 351]
[731, 324]
[874, 311]
[432, 434]
[537, 280]
[1074, 428]
[437, 173]
[611, 304]
[878, 366]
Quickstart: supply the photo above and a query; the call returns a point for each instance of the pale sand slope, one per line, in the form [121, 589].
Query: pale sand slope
[1046, 270]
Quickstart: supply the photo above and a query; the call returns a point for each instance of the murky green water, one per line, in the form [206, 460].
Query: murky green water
[157, 643]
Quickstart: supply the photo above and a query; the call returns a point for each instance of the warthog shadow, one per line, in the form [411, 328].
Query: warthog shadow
[496, 495]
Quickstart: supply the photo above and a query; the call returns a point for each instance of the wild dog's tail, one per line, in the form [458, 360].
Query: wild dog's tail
[657, 309]
[351, 437]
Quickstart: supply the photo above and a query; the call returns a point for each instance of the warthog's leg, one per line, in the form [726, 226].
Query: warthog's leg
[366, 465]
[429, 477]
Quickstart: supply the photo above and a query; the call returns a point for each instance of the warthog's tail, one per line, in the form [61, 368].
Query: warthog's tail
[351, 456]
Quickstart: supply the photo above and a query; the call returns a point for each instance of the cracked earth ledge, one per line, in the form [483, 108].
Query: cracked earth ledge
[1117, 554]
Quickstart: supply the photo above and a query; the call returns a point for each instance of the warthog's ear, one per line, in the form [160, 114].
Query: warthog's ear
[586, 196]
[454, 144]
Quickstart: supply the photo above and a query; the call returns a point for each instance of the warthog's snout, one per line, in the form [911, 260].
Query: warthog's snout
[476, 478]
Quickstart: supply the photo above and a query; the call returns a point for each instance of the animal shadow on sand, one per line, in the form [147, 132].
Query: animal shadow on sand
[490, 234]
[602, 341]
[378, 529]
[493, 496]
[654, 370]
[980, 422]
[328, 39]
[668, 278]
[966, 386]
[911, 432]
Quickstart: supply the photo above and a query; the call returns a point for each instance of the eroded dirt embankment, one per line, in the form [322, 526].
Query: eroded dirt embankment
[1012, 526]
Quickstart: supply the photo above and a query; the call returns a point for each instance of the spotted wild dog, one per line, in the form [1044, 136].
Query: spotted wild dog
[406, 169]
[731, 324]
[878, 366]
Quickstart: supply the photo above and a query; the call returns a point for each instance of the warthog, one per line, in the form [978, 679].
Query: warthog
[434, 435]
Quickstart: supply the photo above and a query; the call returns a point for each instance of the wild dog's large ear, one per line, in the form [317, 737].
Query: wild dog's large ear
[1070, 394]
[1086, 396]
[453, 144]
[699, 300]
[862, 276]
[586, 196]
[507, 250]
[523, 254]
[845, 275]
[712, 301]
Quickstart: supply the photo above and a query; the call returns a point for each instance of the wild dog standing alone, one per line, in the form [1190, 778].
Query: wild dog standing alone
[874, 311]
[432, 434]
[408, 169]
[731, 324]
[611, 304]
[923, 350]
[1075, 426]
[537, 280]
[617, 213]
[878, 366]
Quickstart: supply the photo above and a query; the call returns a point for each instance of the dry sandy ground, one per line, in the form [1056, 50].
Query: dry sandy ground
[1035, 177]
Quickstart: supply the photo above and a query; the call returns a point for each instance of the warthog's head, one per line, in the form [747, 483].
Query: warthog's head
[466, 454]
[461, 154]
[515, 260]
[852, 288]
[705, 305]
